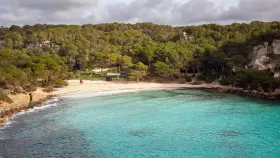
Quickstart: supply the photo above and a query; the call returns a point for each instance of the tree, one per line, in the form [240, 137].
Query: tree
[124, 62]
[139, 71]
[48, 52]
[101, 60]
[161, 69]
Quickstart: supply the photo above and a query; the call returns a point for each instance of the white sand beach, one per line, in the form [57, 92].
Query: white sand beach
[21, 101]
[103, 86]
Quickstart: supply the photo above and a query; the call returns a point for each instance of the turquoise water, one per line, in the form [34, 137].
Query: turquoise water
[173, 123]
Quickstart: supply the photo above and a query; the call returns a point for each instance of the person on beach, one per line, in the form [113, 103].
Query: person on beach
[30, 99]
[81, 81]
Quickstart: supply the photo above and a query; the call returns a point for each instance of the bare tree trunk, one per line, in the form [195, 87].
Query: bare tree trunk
[193, 69]
[223, 67]
[197, 70]
[204, 67]
[101, 73]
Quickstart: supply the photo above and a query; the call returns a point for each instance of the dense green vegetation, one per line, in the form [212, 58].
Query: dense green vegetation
[44, 55]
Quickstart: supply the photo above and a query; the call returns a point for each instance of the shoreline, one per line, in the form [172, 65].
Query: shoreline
[21, 103]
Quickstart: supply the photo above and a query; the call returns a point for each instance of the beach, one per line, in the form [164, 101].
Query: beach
[21, 101]
[103, 86]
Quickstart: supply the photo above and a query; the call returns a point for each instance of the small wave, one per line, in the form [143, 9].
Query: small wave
[45, 105]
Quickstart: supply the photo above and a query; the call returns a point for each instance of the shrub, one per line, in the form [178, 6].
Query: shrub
[161, 69]
[58, 83]
[208, 77]
[109, 79]
[225, 82]
[18, 89]
[256, 80]
[277, 96]
[48, 89]
[230, 80]
[188, 79]
[71, 75]
[4, 97]
[31, 88]
[201, 78]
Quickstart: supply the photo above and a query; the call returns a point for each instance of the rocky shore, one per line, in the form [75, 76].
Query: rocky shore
[21, 103]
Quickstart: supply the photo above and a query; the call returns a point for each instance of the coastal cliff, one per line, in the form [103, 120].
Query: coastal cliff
[267, 57]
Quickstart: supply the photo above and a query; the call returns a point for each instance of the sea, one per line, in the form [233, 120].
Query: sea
[146, 124]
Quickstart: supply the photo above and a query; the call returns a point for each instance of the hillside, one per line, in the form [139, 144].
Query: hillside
[43, 55]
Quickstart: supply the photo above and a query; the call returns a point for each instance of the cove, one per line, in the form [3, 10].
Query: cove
[162, 123]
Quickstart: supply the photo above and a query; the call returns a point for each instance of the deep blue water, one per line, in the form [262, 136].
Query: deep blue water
[166, 123]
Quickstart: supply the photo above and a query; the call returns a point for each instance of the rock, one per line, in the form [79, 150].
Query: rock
[277, 75]
[260, 56]
[276, 47]
[18, 89]
[14, 89]
[10, 87]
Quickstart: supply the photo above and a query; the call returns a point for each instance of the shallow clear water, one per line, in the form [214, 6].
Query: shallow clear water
[174, 123]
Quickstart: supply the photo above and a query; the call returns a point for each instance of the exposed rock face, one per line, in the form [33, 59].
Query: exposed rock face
[277, 75]
[46, 44]
[260, 56]
[276, 47]
[188, 37]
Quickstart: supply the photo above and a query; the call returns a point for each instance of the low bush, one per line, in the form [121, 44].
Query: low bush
[58, 83]
[4, 97]
[225, 82]
[230, 80]
[208, 77]
[48, 89]
[201, 78]
[109, 79]
[187, 78]
[31, 88]
[71, 75]
[277, 96]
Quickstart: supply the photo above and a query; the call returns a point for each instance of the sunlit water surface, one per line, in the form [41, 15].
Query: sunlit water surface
[172, 123]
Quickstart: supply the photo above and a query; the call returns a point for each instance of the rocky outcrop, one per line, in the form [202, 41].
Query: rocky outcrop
[277, 75]
[46, 44]
[276, 47]
[261, 56]
[188, 37]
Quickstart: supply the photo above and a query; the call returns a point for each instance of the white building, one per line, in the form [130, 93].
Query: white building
[113, 74]
[98, 70]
